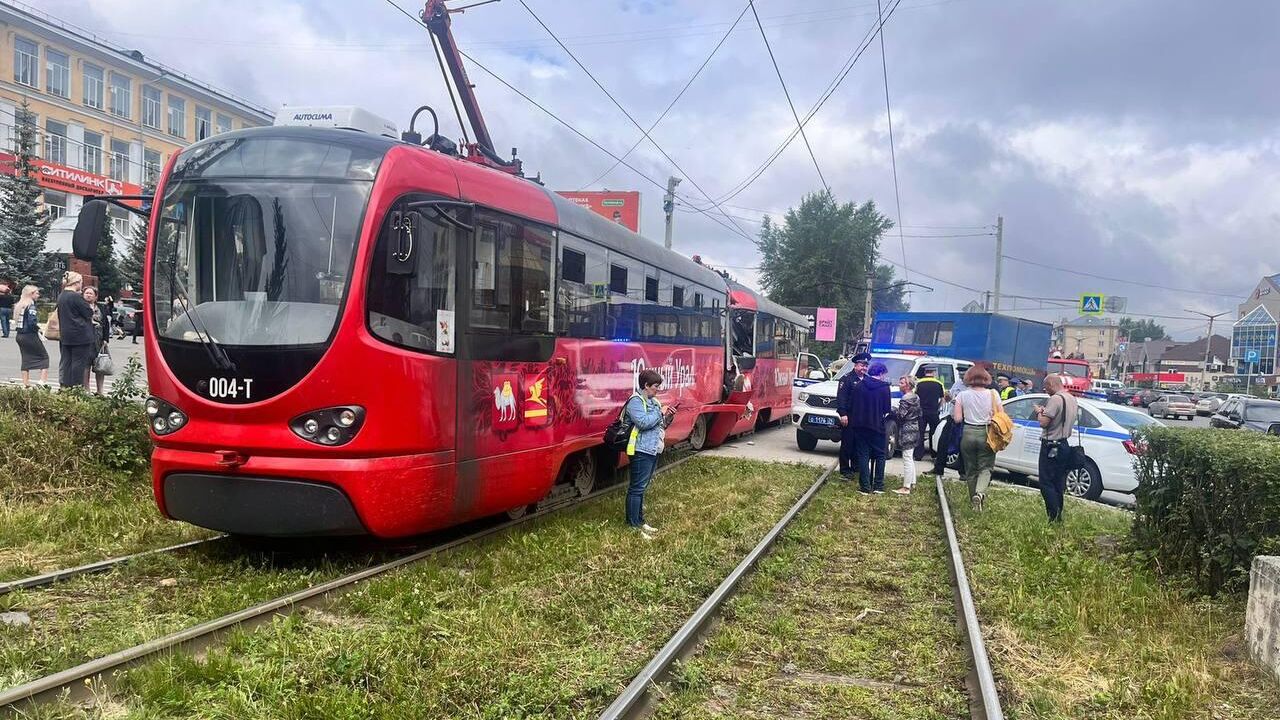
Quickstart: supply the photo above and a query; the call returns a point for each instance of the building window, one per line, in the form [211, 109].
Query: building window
[93, 152]
[119, 160]
[93, 86]
[55, 203]
[150, 107]
[121, 95]
[204, 122]
[224, 123]
[119, 221]
[177, 117]
[55, 142]
[26, 62]
[57, 73]
[151, 166]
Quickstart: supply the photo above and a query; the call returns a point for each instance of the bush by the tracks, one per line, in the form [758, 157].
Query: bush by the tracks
[68, 440]
[1207, 502]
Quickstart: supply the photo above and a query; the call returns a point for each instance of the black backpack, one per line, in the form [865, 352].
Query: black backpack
[618, 435]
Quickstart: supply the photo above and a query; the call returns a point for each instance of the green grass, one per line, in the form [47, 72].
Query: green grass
[1078, 628]
[550, 619]
[851, 616]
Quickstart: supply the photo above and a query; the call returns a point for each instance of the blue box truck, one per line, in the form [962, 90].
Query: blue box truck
[1014, 346]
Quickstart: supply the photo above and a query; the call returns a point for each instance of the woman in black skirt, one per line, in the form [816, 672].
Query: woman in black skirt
[34, 356]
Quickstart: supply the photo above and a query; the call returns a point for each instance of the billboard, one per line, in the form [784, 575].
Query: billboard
[69, 179]
[620, 206]
[826, 330]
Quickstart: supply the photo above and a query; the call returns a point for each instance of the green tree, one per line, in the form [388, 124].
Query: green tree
[1140, 330]
[134, 258]
[24, 224]
[106, 266]
[820, 255]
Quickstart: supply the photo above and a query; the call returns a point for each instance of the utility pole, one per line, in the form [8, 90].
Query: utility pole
[669, 205]
[995, 303]
[1208, 341]
[866, 312]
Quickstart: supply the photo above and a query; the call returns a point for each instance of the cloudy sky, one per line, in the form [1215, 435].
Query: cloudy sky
[1135, 140]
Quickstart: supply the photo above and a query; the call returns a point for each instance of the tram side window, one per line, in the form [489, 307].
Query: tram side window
[404, 306]
[946, 331]
[651, 289]
[784, 340]
[617, 279]
[511, 278]
[744, 332]
[883, 333]
[926, 333]
[583, 290]
[765, 347]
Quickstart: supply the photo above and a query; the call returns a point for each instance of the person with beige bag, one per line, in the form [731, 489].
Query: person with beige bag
[976, 410]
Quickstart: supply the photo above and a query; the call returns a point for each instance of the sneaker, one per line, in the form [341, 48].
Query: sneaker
[976, 503]
[648, 528]
[864, 492]
[903, 491]
[644, 534]
[877, 492]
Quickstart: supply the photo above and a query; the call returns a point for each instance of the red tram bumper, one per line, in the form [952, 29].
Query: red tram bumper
[276, 496]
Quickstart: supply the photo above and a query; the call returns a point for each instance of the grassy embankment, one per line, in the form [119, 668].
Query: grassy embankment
[550, 619]
[1078, 628]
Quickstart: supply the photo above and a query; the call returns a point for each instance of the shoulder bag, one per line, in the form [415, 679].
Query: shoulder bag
[1000, 431]
[103, 365]
[52, 329]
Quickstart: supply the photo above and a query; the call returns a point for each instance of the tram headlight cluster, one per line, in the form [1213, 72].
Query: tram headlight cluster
[163, 417]
[329, 426]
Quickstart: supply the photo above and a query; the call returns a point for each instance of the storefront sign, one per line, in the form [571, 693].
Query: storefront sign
[70, 180]
[1175, 377]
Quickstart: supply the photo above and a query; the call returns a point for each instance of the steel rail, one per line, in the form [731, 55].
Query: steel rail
[990, 699]
[100, 566]
[634, 700]
[80, 681]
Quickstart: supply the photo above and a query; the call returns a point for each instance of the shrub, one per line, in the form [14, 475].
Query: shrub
[71, 440]
[1207, 502]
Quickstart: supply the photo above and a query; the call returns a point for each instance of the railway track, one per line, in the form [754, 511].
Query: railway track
[57, 576]
[641, 696]
[83, 681]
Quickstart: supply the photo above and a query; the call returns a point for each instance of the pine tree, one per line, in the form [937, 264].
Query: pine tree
[106, 266]
[24, 224]
[134, 260]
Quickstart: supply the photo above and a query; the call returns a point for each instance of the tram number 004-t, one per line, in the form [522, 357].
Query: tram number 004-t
[220, 388]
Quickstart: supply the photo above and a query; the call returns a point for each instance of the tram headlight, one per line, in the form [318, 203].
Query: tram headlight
[163, 417]
[331, 426]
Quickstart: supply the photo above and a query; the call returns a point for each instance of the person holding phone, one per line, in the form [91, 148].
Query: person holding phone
[649, 420]
[1057, 417]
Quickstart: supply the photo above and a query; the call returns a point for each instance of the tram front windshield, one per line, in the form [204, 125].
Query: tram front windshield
[256, 240]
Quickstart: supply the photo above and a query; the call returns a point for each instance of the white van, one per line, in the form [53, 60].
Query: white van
[813, 407]
[1099, 388]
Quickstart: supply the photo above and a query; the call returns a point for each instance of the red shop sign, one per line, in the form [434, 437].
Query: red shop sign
[69, 179]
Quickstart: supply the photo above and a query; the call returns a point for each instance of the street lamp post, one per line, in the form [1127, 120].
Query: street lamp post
[1208, 340]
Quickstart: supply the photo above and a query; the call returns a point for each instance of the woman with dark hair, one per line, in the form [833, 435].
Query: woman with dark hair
[973, 411]
[648, 424]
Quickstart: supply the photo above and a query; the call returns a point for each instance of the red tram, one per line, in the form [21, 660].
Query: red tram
[353, 334]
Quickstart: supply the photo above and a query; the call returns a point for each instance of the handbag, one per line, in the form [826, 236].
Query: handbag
[52, 329]
[103, 365]
[1000, 431]
[618, 435]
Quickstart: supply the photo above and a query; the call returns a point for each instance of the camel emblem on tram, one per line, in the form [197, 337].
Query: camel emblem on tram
[504, 400]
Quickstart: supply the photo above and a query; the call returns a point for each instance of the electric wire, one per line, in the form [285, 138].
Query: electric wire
[1119, 280]
[893, 153]
[765, 36]
[453, 98]
[630, 117]
[560, 120]
[674, 100]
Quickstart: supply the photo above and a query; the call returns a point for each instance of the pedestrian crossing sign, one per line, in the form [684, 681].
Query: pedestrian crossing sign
[1091, 304]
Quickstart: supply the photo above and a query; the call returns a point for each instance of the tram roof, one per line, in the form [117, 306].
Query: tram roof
[765, 305]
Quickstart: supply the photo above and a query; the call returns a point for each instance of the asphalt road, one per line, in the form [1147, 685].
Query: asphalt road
[11, 360]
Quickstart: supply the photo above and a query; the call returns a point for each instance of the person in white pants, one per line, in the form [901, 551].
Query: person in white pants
[907, 416]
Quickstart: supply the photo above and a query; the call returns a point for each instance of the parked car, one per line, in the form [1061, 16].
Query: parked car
[1177, 406]
[1247, 413]
[1207, 403]
[1122, 396]
[1144, 398]
[1103, 429]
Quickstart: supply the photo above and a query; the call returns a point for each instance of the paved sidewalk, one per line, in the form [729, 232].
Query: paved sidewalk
[11, 360]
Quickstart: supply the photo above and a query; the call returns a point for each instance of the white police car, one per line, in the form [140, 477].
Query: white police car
[813, 407]
[1102, 428]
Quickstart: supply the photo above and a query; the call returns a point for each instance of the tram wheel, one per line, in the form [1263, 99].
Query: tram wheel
[581, 472]
[698, 436]
[518, 512]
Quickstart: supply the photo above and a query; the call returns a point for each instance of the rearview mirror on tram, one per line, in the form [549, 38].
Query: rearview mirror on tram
[84, 240]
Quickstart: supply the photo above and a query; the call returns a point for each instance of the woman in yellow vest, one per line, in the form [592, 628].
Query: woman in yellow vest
[648, 424]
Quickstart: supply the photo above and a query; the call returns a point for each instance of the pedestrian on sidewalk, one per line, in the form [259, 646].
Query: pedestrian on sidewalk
[76, 338]
[648, 427]
[1057, 417]
[909, 426]
[7, 301]
[30, 346]
[102, 329]
[844, 404]
[931, 392]
[137, 324]
[869, 410]
[973, 412]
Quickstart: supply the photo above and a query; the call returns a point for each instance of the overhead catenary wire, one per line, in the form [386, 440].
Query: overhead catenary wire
[787, 93]
[630, 117]
[1119, 280]
[675, 99]
[893, 153]
[560, 120]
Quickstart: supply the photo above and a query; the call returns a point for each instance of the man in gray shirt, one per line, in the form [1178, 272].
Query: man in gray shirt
[1057, 418]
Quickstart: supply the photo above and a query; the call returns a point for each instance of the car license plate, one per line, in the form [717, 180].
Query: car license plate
[822, 420]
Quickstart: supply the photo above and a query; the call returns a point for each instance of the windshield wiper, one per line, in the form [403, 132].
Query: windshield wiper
[217, 355]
